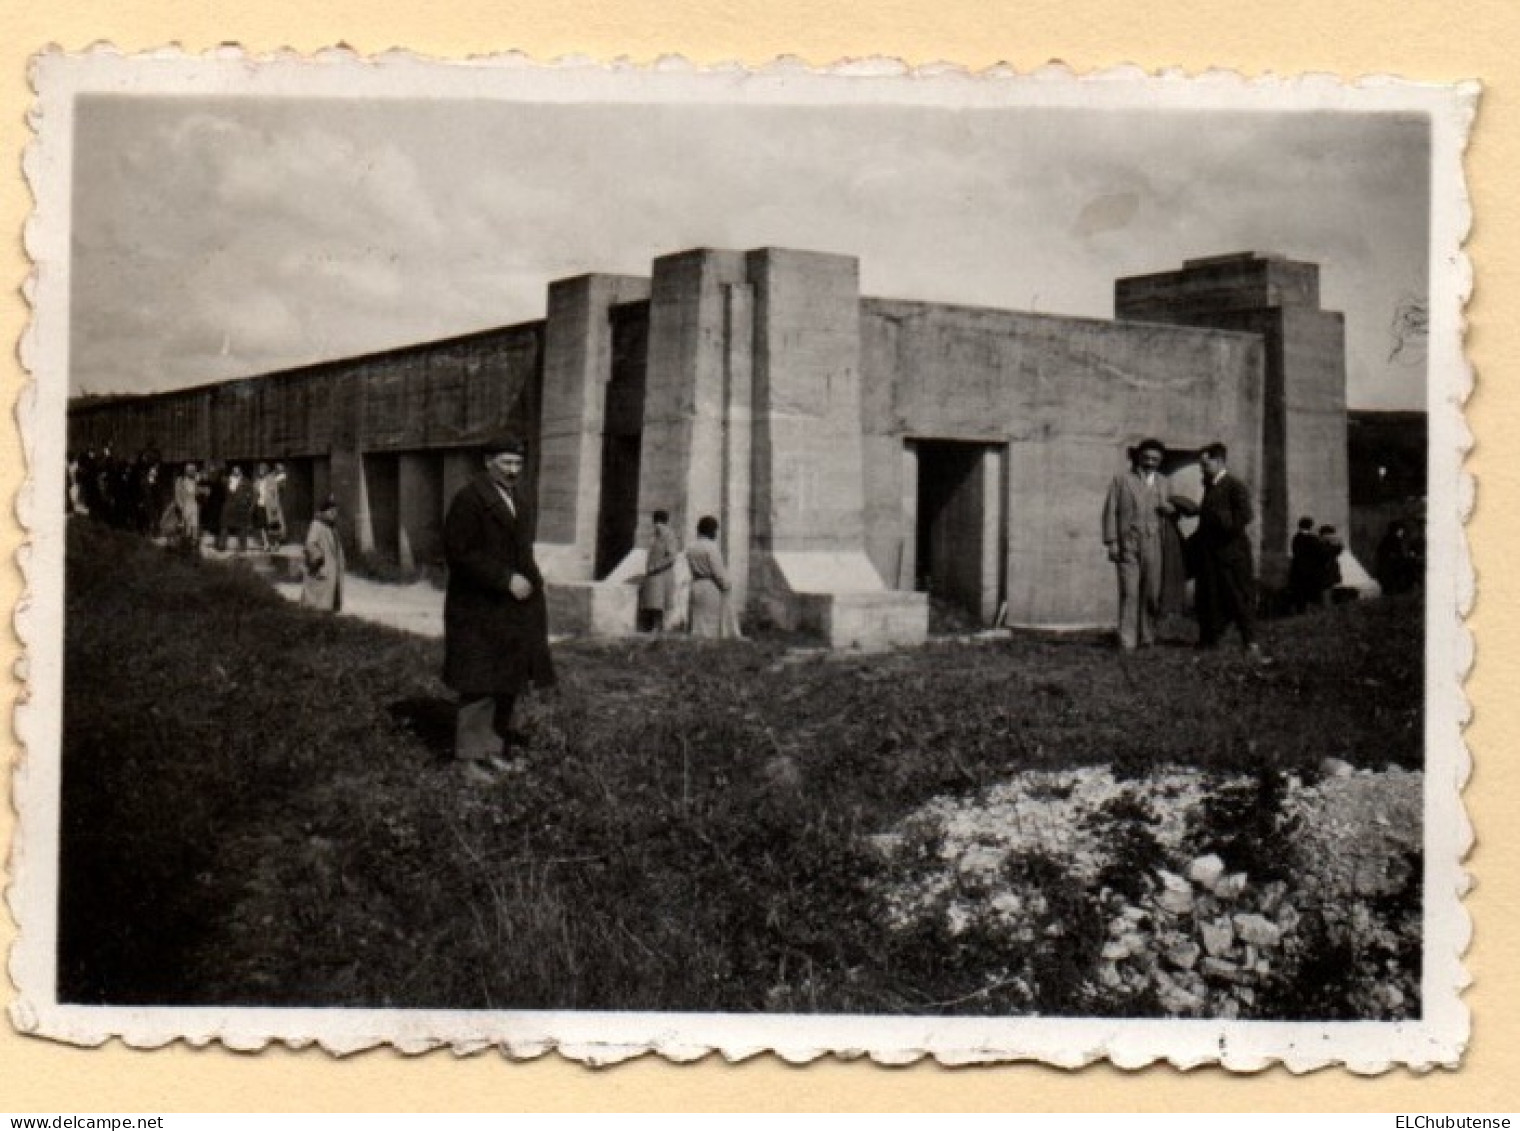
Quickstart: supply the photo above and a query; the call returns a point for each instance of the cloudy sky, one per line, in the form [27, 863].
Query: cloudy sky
[215, 238]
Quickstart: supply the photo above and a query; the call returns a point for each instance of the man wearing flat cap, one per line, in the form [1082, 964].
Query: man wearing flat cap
[496, 626]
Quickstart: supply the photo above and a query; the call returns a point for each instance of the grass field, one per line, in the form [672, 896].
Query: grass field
[257, 808]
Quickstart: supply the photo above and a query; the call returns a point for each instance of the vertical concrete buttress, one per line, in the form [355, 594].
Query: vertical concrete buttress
[686, 409]
[577, 366]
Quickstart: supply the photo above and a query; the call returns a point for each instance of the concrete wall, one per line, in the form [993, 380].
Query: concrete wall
[427, 397]
[432, 395]
[766, 391]
[1067, 396]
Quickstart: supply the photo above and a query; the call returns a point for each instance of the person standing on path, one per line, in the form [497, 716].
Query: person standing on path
[657, 590]
[495, 618]
[1226, 570]
[1134, 518]
[322, 587]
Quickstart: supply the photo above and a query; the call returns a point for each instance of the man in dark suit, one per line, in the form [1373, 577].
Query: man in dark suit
[1226, 574]
[496, 627]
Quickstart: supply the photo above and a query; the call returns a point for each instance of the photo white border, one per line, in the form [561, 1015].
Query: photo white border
[1437, 1039]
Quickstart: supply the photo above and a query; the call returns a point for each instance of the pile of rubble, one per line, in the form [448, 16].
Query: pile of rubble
[1198, 940]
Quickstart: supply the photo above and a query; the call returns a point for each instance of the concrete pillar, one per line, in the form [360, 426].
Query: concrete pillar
[379, 525]
[907, 568]
[419, 492]
[994, 501]
[345, 481]
[345, 470]
[807, 401]
[457, 470]
[681, 464]
[738, 438]
[811, 570]
[577, 365]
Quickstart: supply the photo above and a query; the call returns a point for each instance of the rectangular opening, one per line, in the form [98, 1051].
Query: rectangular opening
[622, 437]
[379, 524]
[960, 535]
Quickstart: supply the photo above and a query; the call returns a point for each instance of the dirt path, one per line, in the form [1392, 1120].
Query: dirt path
[416, 608]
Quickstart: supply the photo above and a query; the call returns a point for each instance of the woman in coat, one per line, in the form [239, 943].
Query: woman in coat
[709, 583]
[322, 587]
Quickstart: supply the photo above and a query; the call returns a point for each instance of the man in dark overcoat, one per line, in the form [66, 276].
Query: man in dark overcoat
[496, 625]
[1226, 573]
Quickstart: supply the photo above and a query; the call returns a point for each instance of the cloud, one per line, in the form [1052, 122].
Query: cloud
[302, 229]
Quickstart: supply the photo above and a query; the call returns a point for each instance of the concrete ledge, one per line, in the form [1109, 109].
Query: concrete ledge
[592, 608]
[869, 621]
[561, 562]
[828, 571]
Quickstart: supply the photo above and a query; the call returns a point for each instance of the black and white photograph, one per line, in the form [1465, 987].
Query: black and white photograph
[615, 559]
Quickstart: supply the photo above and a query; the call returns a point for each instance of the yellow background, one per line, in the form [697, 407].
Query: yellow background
[1437, 40]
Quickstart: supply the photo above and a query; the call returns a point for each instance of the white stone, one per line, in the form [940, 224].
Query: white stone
[1218, 936]
[1205, 870]
[1258, 930]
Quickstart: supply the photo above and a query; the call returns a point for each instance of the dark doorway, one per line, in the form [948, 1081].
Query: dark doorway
[960, 534]
[622, 437]
[382, 483]
[298, 498]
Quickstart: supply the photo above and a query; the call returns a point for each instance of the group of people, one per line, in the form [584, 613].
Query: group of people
[143, 496]
[1314, 567]
[126, 494]
[1143, 539]
[709, 613]
[1142, 534]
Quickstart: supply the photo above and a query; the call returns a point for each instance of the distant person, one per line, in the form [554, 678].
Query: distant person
[1398, 564]
[187, 505]
[322, 587]
[1135, 514]
[657, 590]
[1226, 571]
[709, 616]
[237, 511]
[1305, 567]
[148, 498]
[259, 522]
[213, 495]
[274, 507]
[495, 618]
[73, 499]
[1330, 578]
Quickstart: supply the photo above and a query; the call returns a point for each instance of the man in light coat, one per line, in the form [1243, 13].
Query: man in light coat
[495, 619]
[187, 500]
[1134, 514]
[323, 585]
